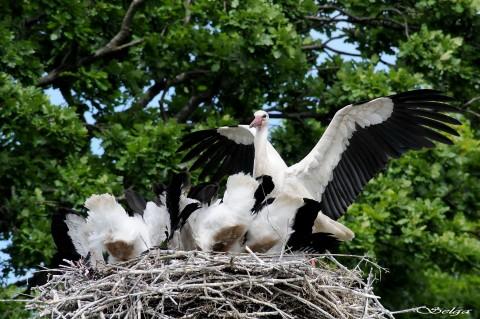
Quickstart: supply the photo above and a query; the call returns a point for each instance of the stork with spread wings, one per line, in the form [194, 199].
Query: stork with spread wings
[357, 145]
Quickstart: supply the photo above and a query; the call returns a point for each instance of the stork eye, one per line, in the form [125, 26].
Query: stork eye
[264, 116]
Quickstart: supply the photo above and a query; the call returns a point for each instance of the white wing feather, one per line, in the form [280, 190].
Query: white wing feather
[316, 169]
[157, 221]
[78, 232]
[243, 134]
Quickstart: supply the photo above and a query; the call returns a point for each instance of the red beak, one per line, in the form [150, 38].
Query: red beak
[257, 121]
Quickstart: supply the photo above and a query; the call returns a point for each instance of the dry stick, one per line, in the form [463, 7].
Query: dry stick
[253, 254]
[268, 304]
[328, 302]
[406, 310]
[369, 282]
[306, 302]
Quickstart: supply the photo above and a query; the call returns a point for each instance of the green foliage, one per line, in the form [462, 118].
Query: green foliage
[211, 63]
[11, 309]
[144, 153]
[419, 219]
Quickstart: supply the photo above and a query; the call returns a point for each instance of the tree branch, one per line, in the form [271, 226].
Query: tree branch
[163, 85]
[125, 29]
[386, 63]
[470, 102]
[116, 44]
[163, 113]
[196, 100]
[319, 46]
[342, 52]
[149, 95]
[193, 103]
[350, 18]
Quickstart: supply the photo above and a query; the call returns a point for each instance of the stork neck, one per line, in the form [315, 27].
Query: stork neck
[261, 154]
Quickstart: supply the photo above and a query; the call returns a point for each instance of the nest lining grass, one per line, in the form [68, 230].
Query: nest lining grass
[193, 284]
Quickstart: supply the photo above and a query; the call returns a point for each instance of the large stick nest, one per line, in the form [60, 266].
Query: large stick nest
[169, 284]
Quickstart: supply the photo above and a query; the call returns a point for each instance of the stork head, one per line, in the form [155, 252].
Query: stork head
[260, 120]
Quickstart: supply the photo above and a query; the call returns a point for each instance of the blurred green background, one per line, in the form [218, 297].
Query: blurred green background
[95, 95]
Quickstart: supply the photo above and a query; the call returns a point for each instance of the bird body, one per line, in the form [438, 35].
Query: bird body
[276, 222]
[221, 226]
[109, 229]
[157, 221]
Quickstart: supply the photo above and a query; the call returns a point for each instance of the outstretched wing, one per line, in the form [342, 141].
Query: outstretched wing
[362, 137]
[220, 152]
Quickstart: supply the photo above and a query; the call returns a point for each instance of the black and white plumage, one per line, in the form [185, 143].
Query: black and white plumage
[287, 221]
[109, 229]
[302, 238]
[231, 146]
[181, 218]
[221, 226]
[357, 144]
[241, 217]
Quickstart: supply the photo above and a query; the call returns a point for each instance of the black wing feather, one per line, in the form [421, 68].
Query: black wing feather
[136, 202]
[185, 214]
[174, 191]
[217, 155]
[63, 242]
[319, 243]
[204, 192]
[263, 190]
[302, 238]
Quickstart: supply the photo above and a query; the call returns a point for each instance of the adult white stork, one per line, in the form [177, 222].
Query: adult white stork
[354, 148]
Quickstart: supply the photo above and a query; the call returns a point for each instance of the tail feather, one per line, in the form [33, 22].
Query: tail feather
[204, 192]
[318, 243]
[240, 190]
[77, 231]
[303, 223]
[174, 192]
[136, 202]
